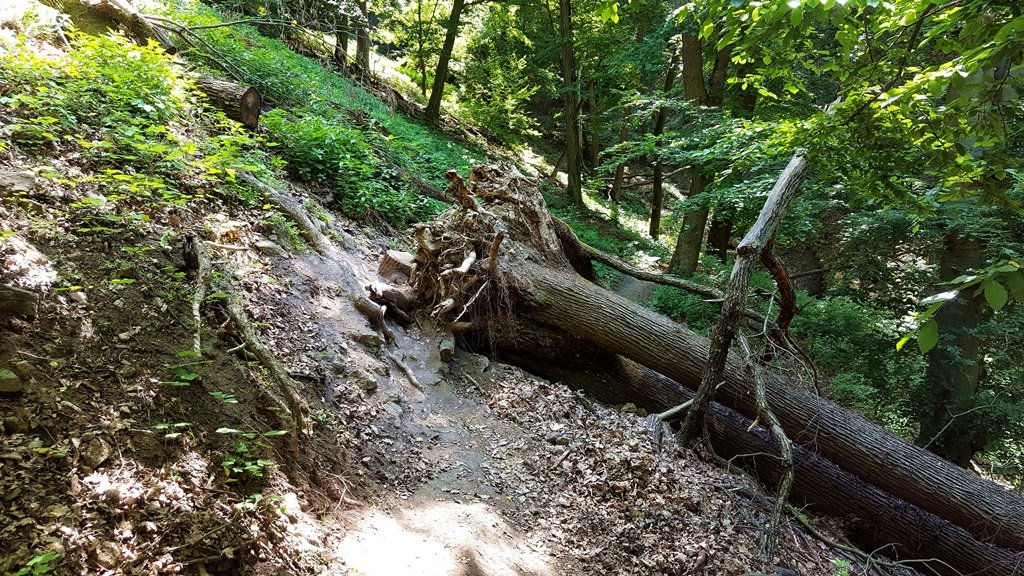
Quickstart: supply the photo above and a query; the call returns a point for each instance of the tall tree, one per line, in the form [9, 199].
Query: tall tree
[571, 104]
[363, 38]
[660, 117]
[433, 111]
[955, 366]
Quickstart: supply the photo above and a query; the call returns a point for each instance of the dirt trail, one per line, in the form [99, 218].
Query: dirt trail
[638, 291]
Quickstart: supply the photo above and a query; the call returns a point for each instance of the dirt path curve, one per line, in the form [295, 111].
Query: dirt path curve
[638, 291]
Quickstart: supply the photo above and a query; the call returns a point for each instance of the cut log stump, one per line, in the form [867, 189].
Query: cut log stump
[241, 103]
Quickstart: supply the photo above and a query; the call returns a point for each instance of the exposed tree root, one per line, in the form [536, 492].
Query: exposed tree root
[297, 408]
[323, 246]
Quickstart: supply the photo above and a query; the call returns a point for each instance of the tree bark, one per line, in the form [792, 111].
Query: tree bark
[363, 38]
[530, 279]
[948, 428]
[660, 118]
[123, 13]
[241, 103]
[341, 44]
[571, 107]
[433, 111]
[595, 138]
[686, 254]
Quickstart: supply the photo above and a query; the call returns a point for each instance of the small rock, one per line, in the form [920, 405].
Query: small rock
[270, 248]
[95, 452]
[80, 297]
[128, 334]
[107, 555]
[15, 425]
[27, 372]
[363, 379]
[16, 182]
[372, 340]
[393, 410]
[10, 383]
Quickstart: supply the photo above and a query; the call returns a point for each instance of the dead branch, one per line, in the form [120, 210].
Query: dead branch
[193, 247]
[405, 369]
[459, 191]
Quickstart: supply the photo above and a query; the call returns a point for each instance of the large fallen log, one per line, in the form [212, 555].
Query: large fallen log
[872, 518]
[531, 278]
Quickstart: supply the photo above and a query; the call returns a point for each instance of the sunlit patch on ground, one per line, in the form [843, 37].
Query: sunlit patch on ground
[431, 538]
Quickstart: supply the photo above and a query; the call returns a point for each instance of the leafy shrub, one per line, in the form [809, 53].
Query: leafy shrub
[854, 345]
[101, 81]
[321, 149]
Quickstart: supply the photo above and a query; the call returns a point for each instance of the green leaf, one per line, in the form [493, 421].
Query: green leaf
[275, 433]
[228, 431]
[928, 336]
[1015, 282]
[995, 295]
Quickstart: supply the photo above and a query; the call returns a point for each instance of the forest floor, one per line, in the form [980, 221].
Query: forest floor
[124, 455]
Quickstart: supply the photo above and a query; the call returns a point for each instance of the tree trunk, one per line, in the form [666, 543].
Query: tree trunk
[241, 103]
[595, 139]
[433, 111]
[523, 273]
[687, 251]
[620, 169]
[363, 38]
[341, 44]
[720, 233]
[571, 108]
[657, 183]
[955, 364]
[691, 235]
[121, 12]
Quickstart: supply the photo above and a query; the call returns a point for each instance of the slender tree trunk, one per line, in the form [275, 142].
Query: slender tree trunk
[363, 38]
[433, 112]
[955, 364]
[620, 170]
[595, 139]
[658, 179]
[571, 108]
[341, 44]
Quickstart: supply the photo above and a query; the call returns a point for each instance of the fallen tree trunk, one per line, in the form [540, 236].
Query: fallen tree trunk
[535, 283]
[241, 103]
[873, 519]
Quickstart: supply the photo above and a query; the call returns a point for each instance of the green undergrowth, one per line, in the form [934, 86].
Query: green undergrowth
[130, 119]
[329, 128]
[604, 234]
